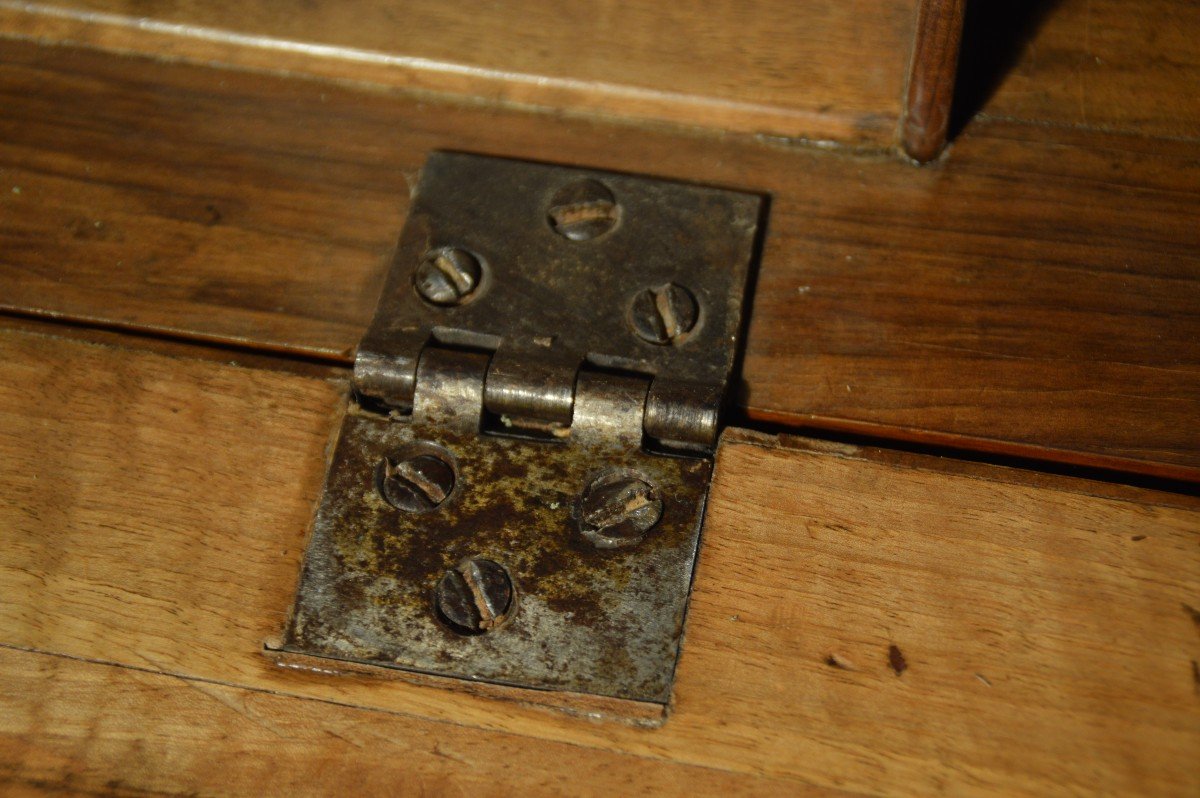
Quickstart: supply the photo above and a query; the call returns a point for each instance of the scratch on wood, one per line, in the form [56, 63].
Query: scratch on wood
[231, 703]
[834, 661]
[343, 738]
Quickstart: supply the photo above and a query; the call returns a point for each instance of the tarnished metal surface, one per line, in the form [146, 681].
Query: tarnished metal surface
[589, 313]
[584, 617]
[577, 266]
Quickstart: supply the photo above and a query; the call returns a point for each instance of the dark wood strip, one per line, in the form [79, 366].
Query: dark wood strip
[1037, 294]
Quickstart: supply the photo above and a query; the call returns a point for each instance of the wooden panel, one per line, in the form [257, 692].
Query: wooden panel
[814, 69]
[860, 620]
[1101, 65]
[132, 200]
[1034, 293]
[86, 728]
[1038, 294]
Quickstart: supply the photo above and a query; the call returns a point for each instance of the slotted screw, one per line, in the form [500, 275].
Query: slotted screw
[448, 276]
[583, 210]
[665, 314]
[619, 510]
[474, 596]
[414, 484]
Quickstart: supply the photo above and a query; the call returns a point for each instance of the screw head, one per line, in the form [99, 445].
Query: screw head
[447, 276]
[475, 596]
[414, 483]
[619, 509]
[583, 210]
[664, 315]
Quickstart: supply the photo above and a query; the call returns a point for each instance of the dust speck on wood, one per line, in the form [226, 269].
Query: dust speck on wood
[896, 659]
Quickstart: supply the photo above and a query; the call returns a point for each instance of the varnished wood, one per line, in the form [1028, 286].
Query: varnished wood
[812, 69]
[870, 623]
[1108, 66]
[931, 79]
[1036, 294]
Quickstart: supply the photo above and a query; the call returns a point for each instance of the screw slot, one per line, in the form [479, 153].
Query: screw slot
[664, 315]
[415, 481]
[583, 210]
[618, 509]
[475, 596]
[447, 276]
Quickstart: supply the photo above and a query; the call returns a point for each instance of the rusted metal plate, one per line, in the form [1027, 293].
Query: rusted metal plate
[584, 618]
[596, 314]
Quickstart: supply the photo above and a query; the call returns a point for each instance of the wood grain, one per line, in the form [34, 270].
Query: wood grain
[874, 625]
[1037, 294]
[809, 69]
[114, 731]
[1104, 65]
[931, 79]
[1035, 297]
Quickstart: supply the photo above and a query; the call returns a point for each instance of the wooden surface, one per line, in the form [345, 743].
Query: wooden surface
[143, 732]
[862, 621]
[1038, 293]
[1102, 65]
[931, 79]
[814, 69]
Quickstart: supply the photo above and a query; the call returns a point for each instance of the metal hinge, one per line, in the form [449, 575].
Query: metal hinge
[517, 490]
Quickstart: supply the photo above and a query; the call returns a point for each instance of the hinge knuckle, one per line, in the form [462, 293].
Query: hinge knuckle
[449, 394]
[389, 379]
[609, 410]
[526, 384]
[683, 414]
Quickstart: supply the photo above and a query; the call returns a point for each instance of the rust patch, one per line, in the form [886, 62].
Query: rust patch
[603, 621]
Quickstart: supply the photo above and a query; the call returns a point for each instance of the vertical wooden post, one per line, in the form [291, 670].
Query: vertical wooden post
[931, 78]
